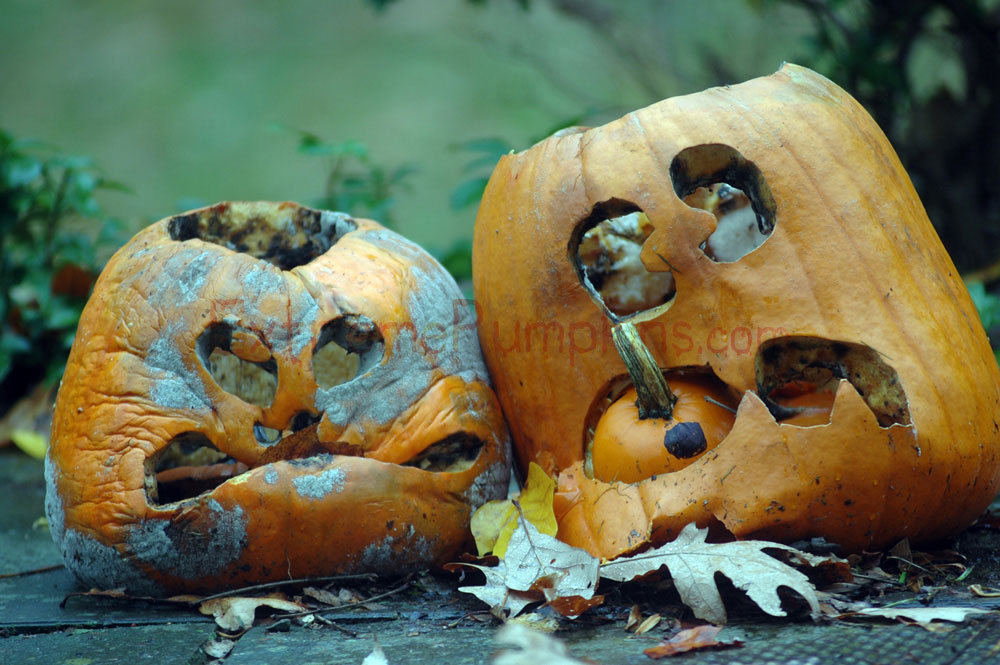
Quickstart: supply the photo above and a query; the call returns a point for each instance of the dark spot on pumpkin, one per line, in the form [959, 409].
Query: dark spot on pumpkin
[303, 419]
[685, 440]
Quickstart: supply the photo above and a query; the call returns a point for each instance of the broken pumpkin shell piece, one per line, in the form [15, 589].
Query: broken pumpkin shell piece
[764, 238]
[262, 391]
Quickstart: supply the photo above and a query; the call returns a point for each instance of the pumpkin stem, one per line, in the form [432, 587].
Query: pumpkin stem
[654, 397]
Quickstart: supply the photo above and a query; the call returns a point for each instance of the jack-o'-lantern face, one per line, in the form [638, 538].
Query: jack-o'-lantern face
[827, 372]
[260, 391]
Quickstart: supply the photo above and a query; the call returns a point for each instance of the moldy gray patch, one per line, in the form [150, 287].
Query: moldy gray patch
[101, 566]
[385, 391]
[54, 511]
[441, 319]
[493, 483]
[294, 332]
[396, 555]
[185, 273]
[205, 543]
[317, 487]
[176, 386]
[271, 477]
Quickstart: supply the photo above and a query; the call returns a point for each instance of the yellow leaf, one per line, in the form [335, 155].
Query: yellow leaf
[536, 500]
[30, 442]
[494, 523]
[489, 521]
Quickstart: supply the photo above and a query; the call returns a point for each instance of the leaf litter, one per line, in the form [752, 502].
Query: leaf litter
[536, 569]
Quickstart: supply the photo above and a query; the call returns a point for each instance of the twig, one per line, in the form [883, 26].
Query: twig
[330, 622]
[36, 571]
[320, 612]
[281, 583]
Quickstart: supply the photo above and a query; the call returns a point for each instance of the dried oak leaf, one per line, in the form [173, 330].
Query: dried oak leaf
[690, 639]
[536, 567]
[693, 563]
[235, 614]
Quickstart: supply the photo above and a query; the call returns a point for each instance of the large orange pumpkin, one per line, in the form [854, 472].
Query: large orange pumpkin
[766, 238]
[262, 391]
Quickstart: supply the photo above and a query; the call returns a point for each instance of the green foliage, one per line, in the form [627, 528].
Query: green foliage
[988, 305]
[52, 234]
[457, 259]
[488, 152]
[354, 184]
[927, 72]
[382, 5]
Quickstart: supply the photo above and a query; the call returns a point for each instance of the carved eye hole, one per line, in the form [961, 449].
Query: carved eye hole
[605, 250]
[717, 178]
[240, 363]
[347, 347]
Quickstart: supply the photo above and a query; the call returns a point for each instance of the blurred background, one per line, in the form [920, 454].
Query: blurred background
[114, 115]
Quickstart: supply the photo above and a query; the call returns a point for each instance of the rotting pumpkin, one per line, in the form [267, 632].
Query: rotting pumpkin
[764, 238]
[262, 391]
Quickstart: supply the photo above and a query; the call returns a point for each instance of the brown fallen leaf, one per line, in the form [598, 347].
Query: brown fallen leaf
[690, 639]
[28, 422]
[218, 647]
[235, 614]
[342, 597]
[634, 618]
[651, 622]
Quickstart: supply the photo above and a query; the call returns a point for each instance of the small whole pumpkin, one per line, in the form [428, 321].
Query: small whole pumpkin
[764, 238]
[262, 391]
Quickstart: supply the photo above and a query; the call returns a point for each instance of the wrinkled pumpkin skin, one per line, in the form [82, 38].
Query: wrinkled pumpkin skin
[134, 382]
[853, 265]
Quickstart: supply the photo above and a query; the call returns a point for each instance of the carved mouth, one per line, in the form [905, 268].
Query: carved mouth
[797, 378]
[191, 465]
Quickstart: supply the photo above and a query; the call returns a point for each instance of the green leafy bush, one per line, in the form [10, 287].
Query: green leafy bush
[354, 183]
[53, 241]
[988, 305]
